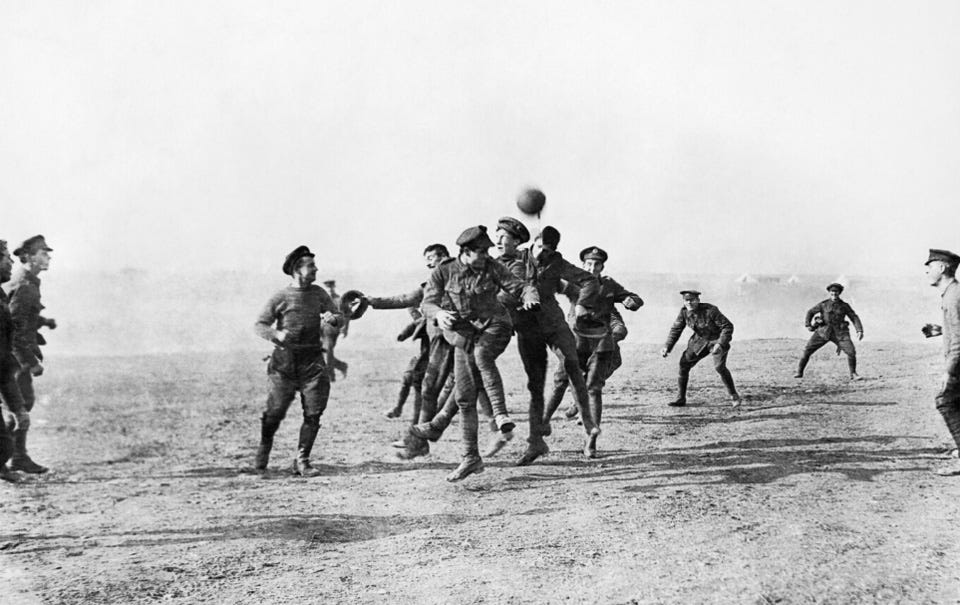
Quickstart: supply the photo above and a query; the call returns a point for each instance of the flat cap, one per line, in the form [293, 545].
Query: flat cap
[475, 237]
[514, 228]
[291, 261]
[835, 286]
[330, 282]
[549, 236]
[944, 256]
[32, 245]
[593, 253]
[689, 294]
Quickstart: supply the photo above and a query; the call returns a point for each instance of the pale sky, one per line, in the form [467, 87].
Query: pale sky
[758, 136]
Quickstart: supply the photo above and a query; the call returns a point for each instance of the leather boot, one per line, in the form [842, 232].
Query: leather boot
[471, 462]
[682, 381]
[20, 461]
[397, 409]
[268, 427]
[308, 434]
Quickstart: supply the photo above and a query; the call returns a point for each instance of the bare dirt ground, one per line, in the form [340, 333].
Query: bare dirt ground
[816, 491]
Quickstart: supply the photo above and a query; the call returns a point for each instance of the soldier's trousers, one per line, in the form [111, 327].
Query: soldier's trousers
[842, 340]
[691, 358]
[12, 400]
[948, 404]
[477, 367]
[597, 367]
[329, 340]
[302, 372]
[532, 344]
[438, 371]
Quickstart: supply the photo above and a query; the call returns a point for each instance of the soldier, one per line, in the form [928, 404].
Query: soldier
[10, 396]
[461, 296]
[545, 327]
[597, 348]
[712, 333]
[331, 334]
[25, 308]
[941, 271]
[832, 327]
[299, 313]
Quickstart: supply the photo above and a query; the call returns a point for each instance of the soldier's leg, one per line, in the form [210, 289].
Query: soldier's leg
[406, 384]
[846, 345]
[533, 355]
[281, 392]
[560, 380]
[10, 395]
[491, 398]
[948, 404]
[597, 365]
[437, 374]
[466, 372]
[314, 394]
[687, 361]
[720, 364]
[813, 345]
[564, 346]
[20, 460]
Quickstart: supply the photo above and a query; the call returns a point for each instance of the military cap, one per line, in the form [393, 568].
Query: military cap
[593, 253]
[549, 236]
[354, 304]
[835, 286]
[330, 282]
[32, 245]
[514, 228]
[943, 256]
[292, 258]
[690, 293]
[475, 237]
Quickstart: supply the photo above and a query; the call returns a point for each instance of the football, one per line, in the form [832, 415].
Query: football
[531, 201]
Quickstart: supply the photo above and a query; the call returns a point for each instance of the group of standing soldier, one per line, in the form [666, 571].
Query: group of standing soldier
[466, 313]
[20, 354]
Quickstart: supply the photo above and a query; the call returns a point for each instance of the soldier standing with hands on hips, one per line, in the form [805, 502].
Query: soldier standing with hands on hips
[293, 320]
[712, 333]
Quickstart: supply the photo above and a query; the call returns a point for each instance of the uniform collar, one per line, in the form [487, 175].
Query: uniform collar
[944, 286]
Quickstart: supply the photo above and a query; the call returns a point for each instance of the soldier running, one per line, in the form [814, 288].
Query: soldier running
[832, 327]
[597, 348]
[293, 321]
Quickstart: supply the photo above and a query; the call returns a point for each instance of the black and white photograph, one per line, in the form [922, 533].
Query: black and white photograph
[460, 302]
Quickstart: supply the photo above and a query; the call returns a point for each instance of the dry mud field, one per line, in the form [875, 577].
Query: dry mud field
[816, 491]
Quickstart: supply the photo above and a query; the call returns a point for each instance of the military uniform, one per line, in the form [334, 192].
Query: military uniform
[331, 334]
[598, 353]
[25, 312]
[481, 333]
[9, 389]
[297, 365]
[712, 333]
[538, 330]
[834, 328]
[948, 399]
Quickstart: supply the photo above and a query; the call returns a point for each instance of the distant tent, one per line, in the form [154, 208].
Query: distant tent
[746, 278]
[793, 279]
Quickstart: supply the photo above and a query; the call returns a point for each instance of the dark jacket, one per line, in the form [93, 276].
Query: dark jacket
[709, 326]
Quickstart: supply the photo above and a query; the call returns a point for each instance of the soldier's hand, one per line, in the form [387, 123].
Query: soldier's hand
[52, 324]
[811, 328]
[328, 317]
[21, 421]
[664, 352]
[859, 335]
[530, 306]
[445, 319]
[36, 370]
[580, 311]
[281, 337]
[715, 348]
